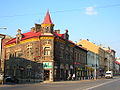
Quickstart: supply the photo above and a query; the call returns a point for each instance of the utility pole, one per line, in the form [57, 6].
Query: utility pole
[109, 63]
[95, 77]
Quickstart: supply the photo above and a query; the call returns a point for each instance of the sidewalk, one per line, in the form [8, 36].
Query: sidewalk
[70, 81]
[57, 82]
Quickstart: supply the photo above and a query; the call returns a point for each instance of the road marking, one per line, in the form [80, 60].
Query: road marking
[101, 84]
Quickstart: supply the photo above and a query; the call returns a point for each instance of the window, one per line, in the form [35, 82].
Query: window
[29, 49]
[47, 29]
[19, 54]
[7, 55]
[47, 51]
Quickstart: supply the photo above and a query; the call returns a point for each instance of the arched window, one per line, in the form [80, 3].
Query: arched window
[47, 51]
[47, 29]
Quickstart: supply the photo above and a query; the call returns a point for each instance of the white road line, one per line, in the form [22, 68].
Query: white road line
[101, 84]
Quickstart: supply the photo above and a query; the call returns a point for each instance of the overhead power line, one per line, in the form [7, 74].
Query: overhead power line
[70, 10]
[108, 6]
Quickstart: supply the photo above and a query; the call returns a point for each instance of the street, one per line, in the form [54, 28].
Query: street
[100, 84]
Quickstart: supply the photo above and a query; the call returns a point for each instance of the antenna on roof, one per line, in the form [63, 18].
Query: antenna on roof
[87, 39]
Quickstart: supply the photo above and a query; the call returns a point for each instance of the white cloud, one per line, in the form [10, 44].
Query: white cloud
[90, 11]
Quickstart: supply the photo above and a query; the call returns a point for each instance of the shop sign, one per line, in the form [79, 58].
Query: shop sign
[47, 65]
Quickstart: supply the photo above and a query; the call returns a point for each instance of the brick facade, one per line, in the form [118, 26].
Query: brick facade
[59, 56]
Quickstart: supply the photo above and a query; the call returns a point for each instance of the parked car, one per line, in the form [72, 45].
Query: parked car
[109, 74]
[11, 79]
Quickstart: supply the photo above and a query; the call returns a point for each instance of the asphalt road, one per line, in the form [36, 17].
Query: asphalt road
[100, 84]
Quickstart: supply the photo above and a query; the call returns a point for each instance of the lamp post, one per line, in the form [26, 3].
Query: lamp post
[95, 71]
[3, 27]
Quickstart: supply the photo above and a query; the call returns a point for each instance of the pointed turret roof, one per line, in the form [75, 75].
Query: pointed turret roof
[47, 19]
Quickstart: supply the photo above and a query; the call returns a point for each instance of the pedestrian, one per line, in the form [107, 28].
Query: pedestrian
[69, 76]
[73, 77]
[91, 76]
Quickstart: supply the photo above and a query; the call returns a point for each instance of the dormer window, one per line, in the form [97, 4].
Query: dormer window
[47, 29]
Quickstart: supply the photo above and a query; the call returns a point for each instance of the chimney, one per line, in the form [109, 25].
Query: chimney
[32, 29]
[57, 31]
[66, 35]
[37, 27]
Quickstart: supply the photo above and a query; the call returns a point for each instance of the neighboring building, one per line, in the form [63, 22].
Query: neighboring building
[109, 59]
[117, 66]
[60, 56]
[97, 50]
[106, 56]
[92, 64]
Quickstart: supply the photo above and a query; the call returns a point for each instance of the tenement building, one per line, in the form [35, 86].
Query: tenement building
[101, 58]
[60, 57]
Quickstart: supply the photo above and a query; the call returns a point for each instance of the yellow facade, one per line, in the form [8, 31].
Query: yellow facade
[46, 37]
[29, 40]
[47, 25]
[22, 42]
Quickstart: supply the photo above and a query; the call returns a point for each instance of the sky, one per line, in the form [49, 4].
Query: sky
[96, 20]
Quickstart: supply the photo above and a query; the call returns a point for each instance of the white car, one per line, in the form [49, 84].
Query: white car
[109, 74]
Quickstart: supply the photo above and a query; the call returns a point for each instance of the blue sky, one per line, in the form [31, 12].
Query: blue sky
[96, 20]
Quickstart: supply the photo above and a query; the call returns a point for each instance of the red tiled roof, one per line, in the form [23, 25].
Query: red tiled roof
[4, 41]
[117, 61]
[47, 19]
[60, 35]
[25, 36]
[31, 35]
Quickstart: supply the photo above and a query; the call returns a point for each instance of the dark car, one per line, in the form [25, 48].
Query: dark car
[9, 79]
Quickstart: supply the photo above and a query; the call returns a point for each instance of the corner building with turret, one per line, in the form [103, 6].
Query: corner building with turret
[60, 57]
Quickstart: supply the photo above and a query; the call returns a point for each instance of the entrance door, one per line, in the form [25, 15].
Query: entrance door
[46, 75]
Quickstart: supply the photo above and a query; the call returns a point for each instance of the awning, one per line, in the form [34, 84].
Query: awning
[90, 68]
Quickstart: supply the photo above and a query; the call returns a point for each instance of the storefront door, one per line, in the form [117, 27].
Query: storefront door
[46, 75]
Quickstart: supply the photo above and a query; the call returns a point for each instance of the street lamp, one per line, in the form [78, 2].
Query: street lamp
[3, 27]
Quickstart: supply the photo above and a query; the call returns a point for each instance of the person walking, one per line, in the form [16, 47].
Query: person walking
[73, 77]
